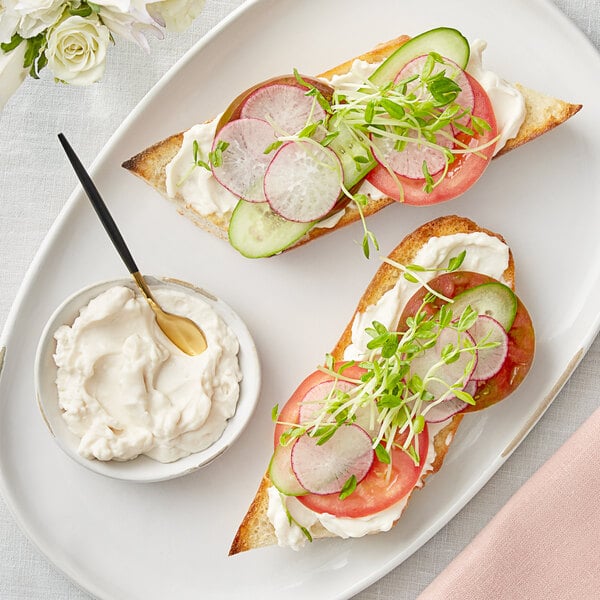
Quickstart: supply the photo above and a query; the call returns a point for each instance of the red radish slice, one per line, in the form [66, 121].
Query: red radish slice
[465, 98]
[445, 375]
[302, 183]
[449, 407]
[489, 360]
[409, 161]
[285, 106]
[325, 469]
[314, 399]
[244, 160]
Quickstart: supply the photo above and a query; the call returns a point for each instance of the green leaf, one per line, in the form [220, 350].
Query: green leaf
[329, 138]
[348, 487]
[389, 401]
[273, 146]
[382, 454]
[274, 412]
[392, 108]
[419, 424]
[464, 396]
[480, 125]
[83, 10]
[456, 261]
[413, 454]
[15, 40]
[410, 278]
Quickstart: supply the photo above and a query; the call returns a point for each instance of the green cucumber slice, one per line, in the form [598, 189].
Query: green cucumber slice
[355, 157]
[281, 474]
[255, 231]
[493, 299]
[446, 41]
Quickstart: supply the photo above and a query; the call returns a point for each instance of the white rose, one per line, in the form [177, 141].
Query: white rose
[77, 50]
[12, 72]
[37, 15]
[176, 15]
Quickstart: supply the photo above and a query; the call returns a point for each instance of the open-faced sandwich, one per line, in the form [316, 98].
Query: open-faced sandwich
[414, 120]
[439, 332]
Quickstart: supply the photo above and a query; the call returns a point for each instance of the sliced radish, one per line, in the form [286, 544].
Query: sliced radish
[449, 407]
[302, 182]
[489, 360]
[409, 161]
[465, 98]
[441, 377]
[244, 161]
[285, 106]
[316, 396]
[326, 468]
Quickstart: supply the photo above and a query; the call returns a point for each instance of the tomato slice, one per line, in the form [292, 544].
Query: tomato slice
[521, 337]
[376, 491]
[462, 173]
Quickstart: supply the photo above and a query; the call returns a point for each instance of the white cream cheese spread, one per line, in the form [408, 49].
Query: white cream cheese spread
[486, 254]
[126, 390]
[507, 100]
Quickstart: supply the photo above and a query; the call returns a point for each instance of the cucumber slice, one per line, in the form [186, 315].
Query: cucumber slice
[281, 474]
[348, 149]
[447, 42]
[493, 299]
[255, 231]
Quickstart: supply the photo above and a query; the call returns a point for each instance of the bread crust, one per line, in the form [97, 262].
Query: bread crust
[256, 530]
[543, 113]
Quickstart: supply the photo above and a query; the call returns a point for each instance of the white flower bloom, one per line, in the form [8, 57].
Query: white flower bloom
[37, 15]
[176, 15]
[9, 20]
[131, 23]
[76, 50]
[12, 72]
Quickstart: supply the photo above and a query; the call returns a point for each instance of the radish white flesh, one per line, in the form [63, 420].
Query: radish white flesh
[325, 469]
[438, 376]
[244, 160]
[465, 97]
[409, 161]
[489, 360]
[313, 402]
[285, 106]
[302, 182]
[449, 407]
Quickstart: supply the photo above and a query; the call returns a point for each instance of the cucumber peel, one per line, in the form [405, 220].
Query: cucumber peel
[447, 42]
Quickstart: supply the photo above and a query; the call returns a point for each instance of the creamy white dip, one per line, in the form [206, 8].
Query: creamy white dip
[486, 254]
[126, 390]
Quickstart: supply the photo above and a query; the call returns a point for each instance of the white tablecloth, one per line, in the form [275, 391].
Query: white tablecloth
[34, 185]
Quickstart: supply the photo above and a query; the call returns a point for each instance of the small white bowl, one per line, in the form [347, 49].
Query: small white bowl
[142, 468]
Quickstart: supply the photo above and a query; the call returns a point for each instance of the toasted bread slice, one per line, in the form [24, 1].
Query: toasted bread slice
[256, 529]
[542, 114]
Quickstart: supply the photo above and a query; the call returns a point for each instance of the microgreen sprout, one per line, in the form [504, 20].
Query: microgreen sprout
[215, 158]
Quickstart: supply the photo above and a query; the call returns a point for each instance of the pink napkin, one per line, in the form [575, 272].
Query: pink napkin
[545, 542]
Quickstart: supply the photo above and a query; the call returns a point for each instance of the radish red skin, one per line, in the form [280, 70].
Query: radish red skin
[521, 337]
[462, 173]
